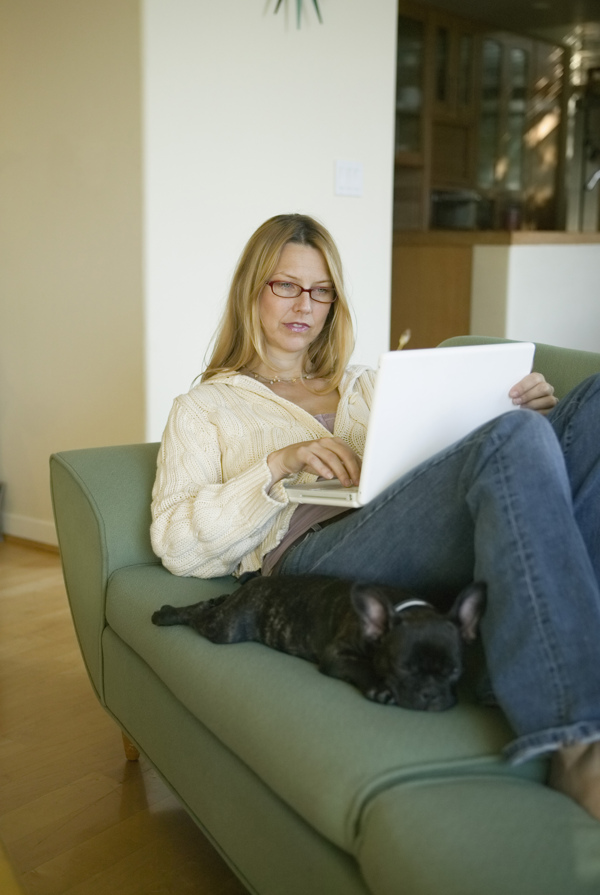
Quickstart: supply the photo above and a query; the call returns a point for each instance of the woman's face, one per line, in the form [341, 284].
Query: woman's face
[290, 325]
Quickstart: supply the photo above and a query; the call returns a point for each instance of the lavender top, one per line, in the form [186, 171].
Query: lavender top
[305, 516]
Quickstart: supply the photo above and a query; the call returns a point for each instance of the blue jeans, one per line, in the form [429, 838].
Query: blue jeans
[516, 504]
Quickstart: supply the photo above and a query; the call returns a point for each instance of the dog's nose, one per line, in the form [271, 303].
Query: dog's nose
[434, 701]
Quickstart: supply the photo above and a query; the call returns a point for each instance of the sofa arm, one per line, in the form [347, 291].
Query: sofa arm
[101, 500]
[563, 367]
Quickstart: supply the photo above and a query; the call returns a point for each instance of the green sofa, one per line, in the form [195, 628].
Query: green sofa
[304, 786]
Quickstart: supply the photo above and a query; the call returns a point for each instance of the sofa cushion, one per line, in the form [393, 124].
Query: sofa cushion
[315, 741]
[510, 836]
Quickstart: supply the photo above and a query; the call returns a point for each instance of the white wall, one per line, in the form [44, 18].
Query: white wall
[554, 295]
[245, 116]
[543, 293]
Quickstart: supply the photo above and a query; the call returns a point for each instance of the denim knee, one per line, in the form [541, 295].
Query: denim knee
[523, 431]
[583, 397]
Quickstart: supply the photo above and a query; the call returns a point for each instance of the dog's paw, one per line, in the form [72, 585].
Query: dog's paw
[380, 694]
[166, 615]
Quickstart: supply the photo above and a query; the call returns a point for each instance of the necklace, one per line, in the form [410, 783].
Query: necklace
[275, 379]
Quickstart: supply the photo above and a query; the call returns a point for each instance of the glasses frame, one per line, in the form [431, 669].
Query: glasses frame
[309, 291]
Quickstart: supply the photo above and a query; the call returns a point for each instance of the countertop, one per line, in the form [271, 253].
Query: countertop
[493, 237]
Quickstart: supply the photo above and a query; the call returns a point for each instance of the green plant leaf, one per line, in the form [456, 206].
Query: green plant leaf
[299, 11]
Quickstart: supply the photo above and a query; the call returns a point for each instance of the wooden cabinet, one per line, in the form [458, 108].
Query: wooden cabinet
[431, 288]
[436, 110]
[480, 111]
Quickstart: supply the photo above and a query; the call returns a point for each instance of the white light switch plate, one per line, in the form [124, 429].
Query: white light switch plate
[348, 178]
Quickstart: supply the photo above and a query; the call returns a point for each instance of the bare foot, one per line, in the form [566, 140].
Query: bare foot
[575, 771]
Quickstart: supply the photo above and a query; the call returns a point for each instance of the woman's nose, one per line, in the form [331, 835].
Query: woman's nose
[302, 302]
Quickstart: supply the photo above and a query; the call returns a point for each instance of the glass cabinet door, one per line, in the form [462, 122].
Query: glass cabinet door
[409, 86]
[466, 60]
[489, 123]
[518, 77]
[442, 65]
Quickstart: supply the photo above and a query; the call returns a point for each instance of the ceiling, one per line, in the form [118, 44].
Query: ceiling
[575, 23]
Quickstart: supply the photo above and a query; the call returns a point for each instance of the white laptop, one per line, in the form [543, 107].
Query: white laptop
[425, 400]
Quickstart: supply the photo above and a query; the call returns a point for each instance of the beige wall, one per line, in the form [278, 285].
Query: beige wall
[71, 302]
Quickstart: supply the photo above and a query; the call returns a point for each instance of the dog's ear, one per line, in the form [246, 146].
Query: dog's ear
[373, 608]
[468, 609]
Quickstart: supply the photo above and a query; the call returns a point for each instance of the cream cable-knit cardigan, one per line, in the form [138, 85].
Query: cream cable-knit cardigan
[212, 512]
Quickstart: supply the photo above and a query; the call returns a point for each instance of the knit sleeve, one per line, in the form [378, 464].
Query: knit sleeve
[201, 525]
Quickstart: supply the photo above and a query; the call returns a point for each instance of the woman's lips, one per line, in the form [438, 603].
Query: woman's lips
[297, 327]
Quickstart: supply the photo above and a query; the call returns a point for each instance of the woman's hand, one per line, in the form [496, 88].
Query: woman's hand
[329, 458]
[534, 393]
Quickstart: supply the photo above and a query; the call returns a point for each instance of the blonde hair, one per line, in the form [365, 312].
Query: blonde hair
[240, 339]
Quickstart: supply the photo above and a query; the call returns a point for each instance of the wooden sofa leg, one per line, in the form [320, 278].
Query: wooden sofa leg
[131, 751]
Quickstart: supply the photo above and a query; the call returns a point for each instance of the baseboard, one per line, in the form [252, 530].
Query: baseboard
[28, 529]
[31, 545]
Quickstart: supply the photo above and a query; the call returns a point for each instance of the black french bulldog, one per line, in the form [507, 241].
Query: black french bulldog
[392, 646]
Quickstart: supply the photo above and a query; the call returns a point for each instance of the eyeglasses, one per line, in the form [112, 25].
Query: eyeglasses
[282, 289]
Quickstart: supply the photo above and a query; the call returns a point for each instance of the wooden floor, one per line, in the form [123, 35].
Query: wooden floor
[75, 816]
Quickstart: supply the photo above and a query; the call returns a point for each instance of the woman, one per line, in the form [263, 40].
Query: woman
[515, 504]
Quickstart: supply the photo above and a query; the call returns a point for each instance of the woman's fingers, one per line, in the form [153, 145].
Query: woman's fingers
[326, 457]
[534, 393]
[330, 458]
